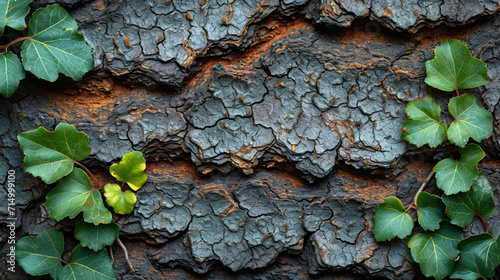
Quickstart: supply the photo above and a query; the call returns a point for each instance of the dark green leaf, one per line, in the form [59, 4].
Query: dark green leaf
[453, 68]
[122, 203]
[423, 125]
[436, 251]
[74, 194]
[51, 155]
[55, 46]
[87, 264]
[430, 211]
[96, 237]
[471, 120]
[478, 200]
[11, 74]
[41, 254]
[131, 170]
[457, 176]
[390, 220]
[12, 14]
[480, 255]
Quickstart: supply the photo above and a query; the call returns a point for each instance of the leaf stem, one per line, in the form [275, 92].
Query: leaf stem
[456, 90]
[126, 253]
[3, 49]
[427, 180]
[486, 228]
[88, 172]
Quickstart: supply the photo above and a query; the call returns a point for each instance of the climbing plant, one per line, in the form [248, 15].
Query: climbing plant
[53, 156]
[52, 45]
[442, 249]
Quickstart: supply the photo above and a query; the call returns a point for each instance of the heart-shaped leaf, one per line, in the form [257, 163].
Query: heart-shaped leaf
[131, 170]
[454, 68]
[12, 14]
[390, 220]
[436, 251]
[55, 46]
[478, 201]
[122, 202]
[41, 254]
[74, 194]
[11, 74]
[51, 154]
[87, 264]
[480, 255]
[457, 176]
[471, 120]
[96, 237]
[430, 211]
[423, 125]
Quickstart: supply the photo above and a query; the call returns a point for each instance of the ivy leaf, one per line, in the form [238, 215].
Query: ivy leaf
[457, 176]
[423, 125]
[436, 251]
[480, 255]
[87, 264]
[12, 14]
[390, 220]
[11, 74]
[430, 211]
[96, 237]
[51, 154]
[122, 203]
[471, 120]
[74, 194]
[131, 170]
[454, 68]
[41, 254]
[478, 201]
[55, 46]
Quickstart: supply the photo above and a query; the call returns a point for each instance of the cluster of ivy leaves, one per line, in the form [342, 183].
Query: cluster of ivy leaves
[52, 156]
[442, 250]
[52, 46]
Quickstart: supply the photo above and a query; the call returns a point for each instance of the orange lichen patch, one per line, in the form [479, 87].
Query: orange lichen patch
[387, 13]
[430, 36]
[99, 5]
[182, 170]
[126, 40]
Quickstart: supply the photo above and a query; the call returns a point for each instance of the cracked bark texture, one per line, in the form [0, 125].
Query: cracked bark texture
[271, 129]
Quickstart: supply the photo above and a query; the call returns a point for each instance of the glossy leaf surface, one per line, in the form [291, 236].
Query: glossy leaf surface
[480, 255]
[390, 220]
[87, 264]
[122, 202]
[41, 254]
[12, 14]
[11, 73]
[430, 211]
[95, 237]
[131, 170]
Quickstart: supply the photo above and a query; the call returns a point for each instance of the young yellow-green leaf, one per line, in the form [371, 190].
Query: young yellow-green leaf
[478, 201]
[74, 194]
[479, 256]
[457, 176]
[390, 220]
[51, 154]
[471, 120]
[454, 68]
[436, 251]
[131, 170]
[55, 46]
[430, 211]
[423, 125]
[12, 14]
[122, 203]
[87, 264]
[11, 73]
[96, 237]
[41, 254]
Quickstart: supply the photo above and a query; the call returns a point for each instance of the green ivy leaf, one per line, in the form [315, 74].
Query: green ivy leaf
[478, 201]
[480, 255]
[41, 254]
[51, 155]
[55, 46]
[471, 120]
[11, 74]
[12, 14]
[87, 264]
[122, 203]
[454, 68]
[131, 170]
[430, 211]
[96, 237]
[74, 194]
[390, 220]
[457, 176]
[436, 251]
[423, 125]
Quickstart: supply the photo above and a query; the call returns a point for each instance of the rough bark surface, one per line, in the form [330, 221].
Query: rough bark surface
[271, 129]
